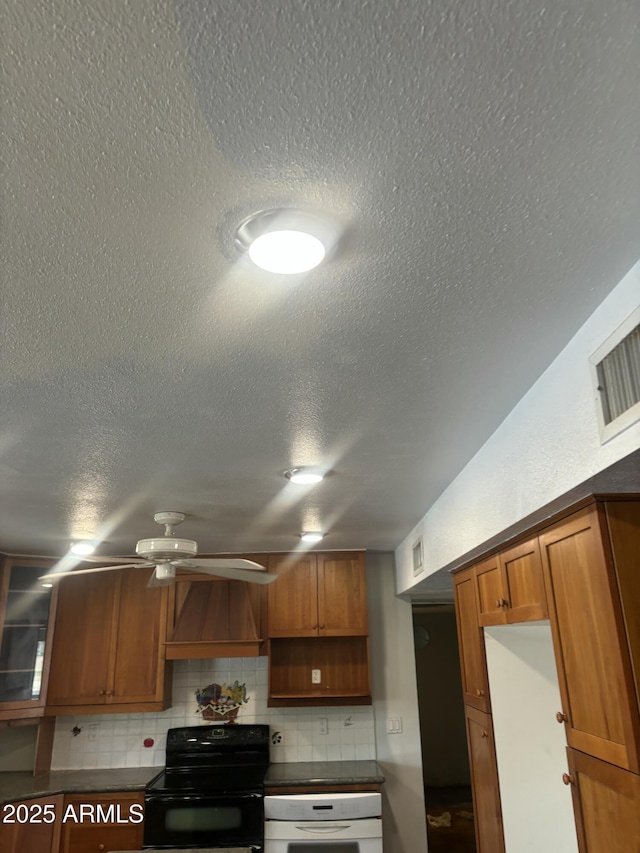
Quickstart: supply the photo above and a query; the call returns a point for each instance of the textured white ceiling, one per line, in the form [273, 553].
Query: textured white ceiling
[481, 157]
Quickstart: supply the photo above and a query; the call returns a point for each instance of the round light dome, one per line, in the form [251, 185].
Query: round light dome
[82, 548]
[304, 476]
[286, 240]
[287, 252]
[312, 536]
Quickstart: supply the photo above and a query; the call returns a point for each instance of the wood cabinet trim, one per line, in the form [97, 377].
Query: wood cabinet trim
[505, 540]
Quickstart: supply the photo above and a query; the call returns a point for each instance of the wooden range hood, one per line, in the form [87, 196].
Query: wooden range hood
[214, 618]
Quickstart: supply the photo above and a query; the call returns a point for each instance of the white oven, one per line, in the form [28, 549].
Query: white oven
[323, 823]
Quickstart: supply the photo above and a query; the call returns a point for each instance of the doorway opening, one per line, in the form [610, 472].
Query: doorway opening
[445, 759]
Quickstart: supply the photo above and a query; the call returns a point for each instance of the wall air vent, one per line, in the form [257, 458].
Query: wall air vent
[615, 370]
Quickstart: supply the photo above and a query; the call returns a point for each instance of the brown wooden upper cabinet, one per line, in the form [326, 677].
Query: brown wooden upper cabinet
[510, 586]
[473, 665]
[107, 647]
[318, 595]
[591, 570]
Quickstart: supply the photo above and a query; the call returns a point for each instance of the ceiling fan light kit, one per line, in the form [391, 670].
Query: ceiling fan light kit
[287, 240]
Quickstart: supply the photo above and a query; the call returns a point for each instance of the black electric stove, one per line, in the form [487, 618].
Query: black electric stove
[211, 792]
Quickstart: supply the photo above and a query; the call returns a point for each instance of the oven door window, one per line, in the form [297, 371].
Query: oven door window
[202, 818]
[203, 821]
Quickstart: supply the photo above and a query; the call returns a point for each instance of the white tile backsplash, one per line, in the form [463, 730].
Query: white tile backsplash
[117, 740]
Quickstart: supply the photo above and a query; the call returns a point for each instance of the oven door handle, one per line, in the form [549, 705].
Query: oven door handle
[319, 828]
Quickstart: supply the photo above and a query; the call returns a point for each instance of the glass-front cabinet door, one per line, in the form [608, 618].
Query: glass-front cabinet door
[25, 618]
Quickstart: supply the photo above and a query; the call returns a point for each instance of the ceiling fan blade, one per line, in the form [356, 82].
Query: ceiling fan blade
[230, 573]
[55, 575]
[94, 558]
[222, 563]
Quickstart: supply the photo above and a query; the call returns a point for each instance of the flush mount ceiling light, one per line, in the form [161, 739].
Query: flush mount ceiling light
[304, 476]
[312, 536]
[287, 240]
[82, 548]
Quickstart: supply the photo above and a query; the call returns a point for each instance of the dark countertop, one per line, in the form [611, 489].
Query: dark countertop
[23, 786]
[323, 773]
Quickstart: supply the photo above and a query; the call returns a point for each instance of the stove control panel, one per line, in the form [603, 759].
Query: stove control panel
[203, 738]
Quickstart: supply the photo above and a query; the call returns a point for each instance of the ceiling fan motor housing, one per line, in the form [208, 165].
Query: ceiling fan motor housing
[166, 548]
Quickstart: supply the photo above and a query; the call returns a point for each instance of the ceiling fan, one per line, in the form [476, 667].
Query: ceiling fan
[168, 553]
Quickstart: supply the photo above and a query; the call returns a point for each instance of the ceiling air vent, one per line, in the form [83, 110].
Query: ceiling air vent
[615, 368]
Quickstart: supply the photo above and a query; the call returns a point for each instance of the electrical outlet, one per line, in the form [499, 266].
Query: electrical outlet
[316, 676]
[93, 732]
[323, 726]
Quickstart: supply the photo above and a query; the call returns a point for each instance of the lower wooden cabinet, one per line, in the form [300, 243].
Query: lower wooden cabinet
[484, 779]
[31, 826]
[606, 801]
[116, 824]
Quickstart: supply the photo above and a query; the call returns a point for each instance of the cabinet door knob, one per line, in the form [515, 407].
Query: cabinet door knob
[484, 733]
[498, 602]
[561, 717]
[102, 693]
[479, 692]
[567, 779]
[101, 847]
[321, 627]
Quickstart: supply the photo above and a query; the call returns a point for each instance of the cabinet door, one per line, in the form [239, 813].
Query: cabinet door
[473, 664]
[623, 520]
[491, 592]
[82, 640]
[26, 632]
[137, 662]
[293, 598]
[521, 566]
[596, 683]
[109, 823]
[484, 781]
[32, 834]
[606, 802]
[342, 595]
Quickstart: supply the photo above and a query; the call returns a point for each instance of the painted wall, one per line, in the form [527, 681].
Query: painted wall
[445, 760]
[116, 740]
[547, 445]
[393, 677]
[530, 745]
